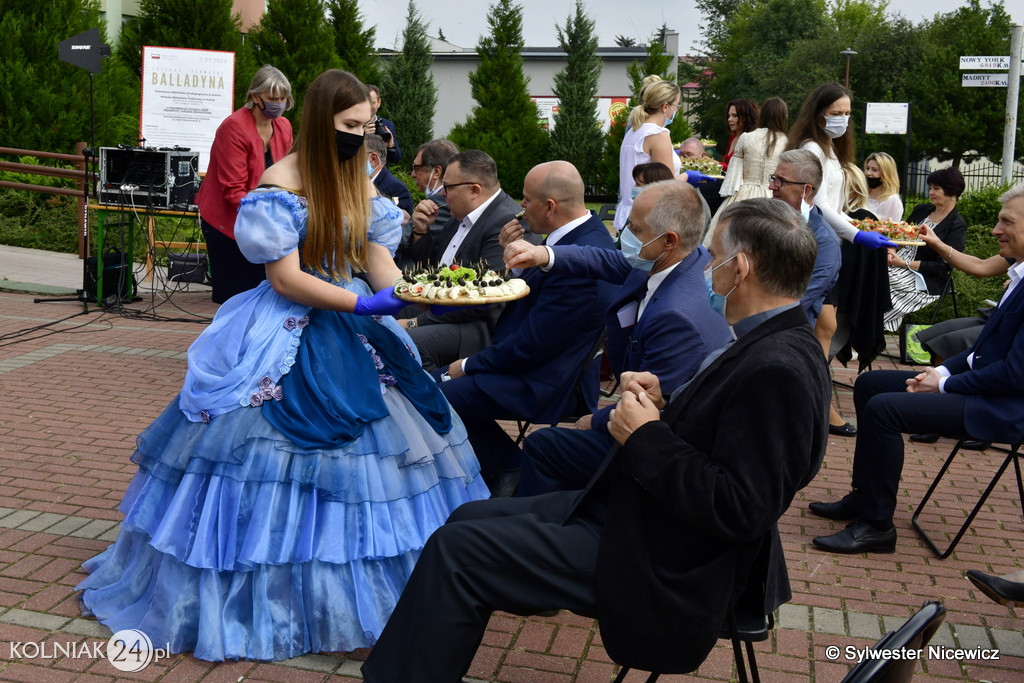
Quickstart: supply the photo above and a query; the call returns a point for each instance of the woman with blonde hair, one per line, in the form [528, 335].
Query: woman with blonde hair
[883, 187]
[283, 496]
[647, 138]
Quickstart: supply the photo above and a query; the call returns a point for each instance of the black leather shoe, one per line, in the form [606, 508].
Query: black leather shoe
[924, 438]
[1009, 593]
[845, 429]
[843, 509]
[859, 537]
[975, 444]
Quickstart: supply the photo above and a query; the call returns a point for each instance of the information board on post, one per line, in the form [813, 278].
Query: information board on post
[886, 118]
[978, 62]
[607, 107]
[186, 94]
[984, 80]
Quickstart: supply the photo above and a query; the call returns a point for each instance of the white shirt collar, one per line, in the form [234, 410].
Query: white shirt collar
[555, 235]
[653, 282]
[474, 215]
[1016, 272]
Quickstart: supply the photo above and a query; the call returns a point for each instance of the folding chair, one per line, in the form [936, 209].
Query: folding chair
[1012, 454]
[606, 212]
[746, 622]
[578, 399]
[913, 635]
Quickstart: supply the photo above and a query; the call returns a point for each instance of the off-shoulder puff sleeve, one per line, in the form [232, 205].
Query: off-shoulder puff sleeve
[385, 223]
[270, 225]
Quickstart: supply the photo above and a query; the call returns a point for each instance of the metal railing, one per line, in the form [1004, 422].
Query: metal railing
[79, 174]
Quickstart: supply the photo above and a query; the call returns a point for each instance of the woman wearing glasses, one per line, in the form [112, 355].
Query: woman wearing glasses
[647, 139]
[285, 493]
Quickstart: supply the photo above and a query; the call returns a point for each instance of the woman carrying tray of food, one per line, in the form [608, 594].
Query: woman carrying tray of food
[917, 275]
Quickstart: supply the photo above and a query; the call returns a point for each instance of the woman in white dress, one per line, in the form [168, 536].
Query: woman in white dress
[822, 126]
[883, 187]
[647, 139]
[755, 156]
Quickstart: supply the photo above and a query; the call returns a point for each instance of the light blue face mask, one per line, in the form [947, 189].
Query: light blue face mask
[431, 193]
[369, 168]
[631, 248]
[635, 190]
[717, 301]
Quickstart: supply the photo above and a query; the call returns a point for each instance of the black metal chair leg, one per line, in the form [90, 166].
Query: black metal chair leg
[1012, 454]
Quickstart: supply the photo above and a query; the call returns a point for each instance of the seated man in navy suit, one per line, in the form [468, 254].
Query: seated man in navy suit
[660, 320]
[540, 342]
[383, 179]
[977, 394]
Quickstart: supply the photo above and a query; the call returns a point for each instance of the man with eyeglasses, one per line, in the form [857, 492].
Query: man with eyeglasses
[431, 214]
[479, 208]
[795, 180]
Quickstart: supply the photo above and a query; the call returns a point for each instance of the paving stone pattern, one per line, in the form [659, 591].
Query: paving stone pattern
[78, 388]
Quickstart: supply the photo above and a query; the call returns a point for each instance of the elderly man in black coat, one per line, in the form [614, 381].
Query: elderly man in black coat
[659, 544]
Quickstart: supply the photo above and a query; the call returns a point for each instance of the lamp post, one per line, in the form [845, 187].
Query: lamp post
[847, 53]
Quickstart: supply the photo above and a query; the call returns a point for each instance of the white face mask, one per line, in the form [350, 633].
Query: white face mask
[805, 208]
[432, 192]
[835, 126]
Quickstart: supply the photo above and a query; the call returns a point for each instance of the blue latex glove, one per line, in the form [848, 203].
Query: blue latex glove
[696, 177]
[438, 309]
[383, 302]
[873, 240]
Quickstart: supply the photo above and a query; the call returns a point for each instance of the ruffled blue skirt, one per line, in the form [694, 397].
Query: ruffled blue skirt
[242, 539]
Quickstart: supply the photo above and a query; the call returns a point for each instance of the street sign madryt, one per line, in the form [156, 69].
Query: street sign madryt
[985, 63]
[984, 80]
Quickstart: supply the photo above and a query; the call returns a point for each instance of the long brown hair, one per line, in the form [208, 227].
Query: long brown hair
[775, 117]
[338, 194]
[808, 128]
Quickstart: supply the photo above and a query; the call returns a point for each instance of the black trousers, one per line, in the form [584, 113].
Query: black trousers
[885, 411]
[517, 555]
[230, 272]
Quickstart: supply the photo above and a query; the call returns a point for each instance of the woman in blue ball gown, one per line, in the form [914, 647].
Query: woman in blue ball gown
[284, 495]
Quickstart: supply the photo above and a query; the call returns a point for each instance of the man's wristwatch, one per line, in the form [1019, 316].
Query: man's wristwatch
[410, 323]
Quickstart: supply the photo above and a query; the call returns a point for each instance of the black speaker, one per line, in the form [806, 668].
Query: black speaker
[118, 278]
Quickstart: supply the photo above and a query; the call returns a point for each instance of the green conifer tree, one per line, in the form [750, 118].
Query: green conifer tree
[412, 97]
[295, 37]
[353, 43]
[44, 102]
[577, 136]
[504, 121]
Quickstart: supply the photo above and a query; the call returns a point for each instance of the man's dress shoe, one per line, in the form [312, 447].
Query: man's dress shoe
[859, 537]
[975, 444]
[924, 438]
[843, 509]
[1009, 593]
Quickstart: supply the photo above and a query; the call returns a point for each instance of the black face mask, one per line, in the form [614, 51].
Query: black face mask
[348, 144]
[874, 182]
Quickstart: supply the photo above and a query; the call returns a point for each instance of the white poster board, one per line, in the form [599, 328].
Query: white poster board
[606, 108]
[185, 96]
[886, 118]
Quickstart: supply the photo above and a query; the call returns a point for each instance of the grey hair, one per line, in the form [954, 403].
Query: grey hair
[678, 209]
[776, 239]
[1015, 192]
[271, 81]
[437, 153]
[375, 145]
[806, 166]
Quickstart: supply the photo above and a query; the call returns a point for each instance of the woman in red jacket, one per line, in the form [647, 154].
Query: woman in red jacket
[247, 142]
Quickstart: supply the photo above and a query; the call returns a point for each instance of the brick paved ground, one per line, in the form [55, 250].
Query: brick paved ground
[77, 391]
